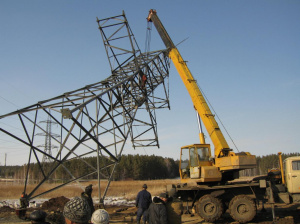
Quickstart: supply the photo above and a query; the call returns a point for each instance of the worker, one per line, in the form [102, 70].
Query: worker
[157, 210]
[38, 217]
[24, 203]
[143, 200]
[24, 200]
[87, 195]
[77, 211]
[144, 79]
[100, 216]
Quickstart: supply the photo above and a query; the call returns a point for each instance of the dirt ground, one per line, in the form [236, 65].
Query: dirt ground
[285, 214]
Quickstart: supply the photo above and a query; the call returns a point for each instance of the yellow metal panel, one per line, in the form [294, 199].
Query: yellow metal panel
[236, 162]
[195, 172]
[210, 174]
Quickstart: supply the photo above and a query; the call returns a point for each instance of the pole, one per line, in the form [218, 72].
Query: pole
[201, 134]
[98, 159]
[5, 166]
[281, 167]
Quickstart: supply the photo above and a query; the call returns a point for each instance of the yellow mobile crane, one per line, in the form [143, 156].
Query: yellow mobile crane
[196, 162]
[212, 173]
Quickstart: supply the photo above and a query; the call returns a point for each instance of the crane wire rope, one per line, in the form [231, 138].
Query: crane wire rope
[148, 37]
[147, 50]
[218, 117]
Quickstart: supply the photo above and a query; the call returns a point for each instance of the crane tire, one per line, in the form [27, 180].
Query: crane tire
[209, 208]
[242, 209]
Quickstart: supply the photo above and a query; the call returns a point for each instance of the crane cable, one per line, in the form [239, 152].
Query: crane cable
[147, 49]
[148, 37]
[218, 117]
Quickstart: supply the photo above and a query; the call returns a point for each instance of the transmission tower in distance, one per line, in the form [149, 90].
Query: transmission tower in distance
[48, 146]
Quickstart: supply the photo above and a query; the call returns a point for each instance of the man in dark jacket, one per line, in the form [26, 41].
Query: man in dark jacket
[143, 200]
[157, 210]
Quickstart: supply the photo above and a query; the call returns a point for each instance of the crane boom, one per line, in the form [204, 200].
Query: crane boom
[200, 104]
[194, 159]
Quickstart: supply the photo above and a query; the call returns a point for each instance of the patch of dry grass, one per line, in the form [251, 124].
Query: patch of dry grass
[127, 189]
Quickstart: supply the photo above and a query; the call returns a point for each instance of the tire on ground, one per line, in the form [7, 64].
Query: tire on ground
[242, 208]
[209, 208]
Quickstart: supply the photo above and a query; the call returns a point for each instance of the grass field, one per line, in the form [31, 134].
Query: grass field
[127, 189]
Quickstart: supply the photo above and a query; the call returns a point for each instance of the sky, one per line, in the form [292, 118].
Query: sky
[244, 55]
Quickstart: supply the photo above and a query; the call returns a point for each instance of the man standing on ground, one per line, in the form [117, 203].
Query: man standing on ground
[157, 210]
[143, 200]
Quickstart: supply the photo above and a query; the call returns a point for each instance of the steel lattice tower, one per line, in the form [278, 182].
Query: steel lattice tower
[98, 119]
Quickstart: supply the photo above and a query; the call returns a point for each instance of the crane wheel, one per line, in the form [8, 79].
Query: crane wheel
[242, 209]
[209, 208]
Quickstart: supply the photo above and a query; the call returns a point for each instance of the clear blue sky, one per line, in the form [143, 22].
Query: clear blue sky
[245, 55]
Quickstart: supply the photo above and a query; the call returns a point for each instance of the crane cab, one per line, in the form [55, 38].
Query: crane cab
[292, 175]
[196, 164]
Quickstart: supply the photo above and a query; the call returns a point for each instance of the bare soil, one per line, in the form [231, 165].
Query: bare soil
[285, 214]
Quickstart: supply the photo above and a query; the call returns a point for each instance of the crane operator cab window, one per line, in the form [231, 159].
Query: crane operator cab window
[184, 163]
[192, 158]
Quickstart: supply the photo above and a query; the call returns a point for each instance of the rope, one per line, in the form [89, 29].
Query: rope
[218, 118]
[148, 37]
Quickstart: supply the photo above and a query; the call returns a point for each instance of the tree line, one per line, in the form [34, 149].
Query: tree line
[264, 163]
[131, 167]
